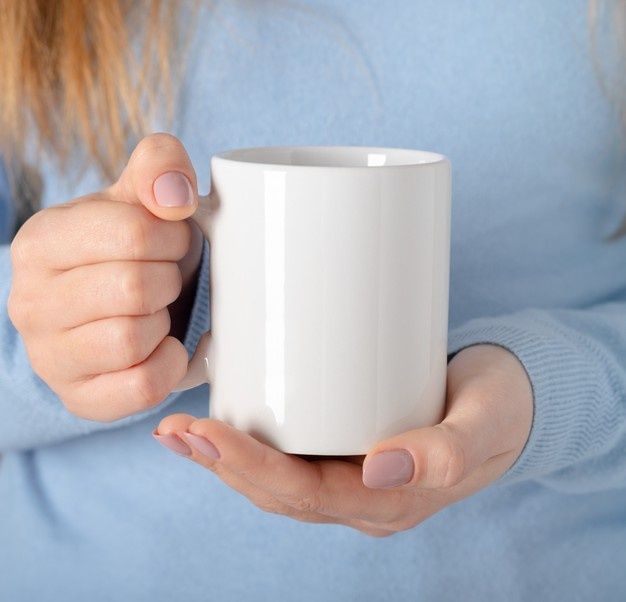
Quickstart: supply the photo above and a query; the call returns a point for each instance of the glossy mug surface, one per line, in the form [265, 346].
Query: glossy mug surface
[329, 275]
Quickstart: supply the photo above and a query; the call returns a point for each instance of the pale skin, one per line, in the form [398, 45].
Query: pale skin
[118, 273]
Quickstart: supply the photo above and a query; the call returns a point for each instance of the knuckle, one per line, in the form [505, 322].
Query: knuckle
[38, 234]
[134, 290]
[16, 251]
[145, 388]
[452, 465]
[307, 503]
[455, 469]
[24, 305]
[23, 245]
[126, 340]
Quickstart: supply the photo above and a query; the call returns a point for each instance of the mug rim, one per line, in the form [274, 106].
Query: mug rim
[423, 158]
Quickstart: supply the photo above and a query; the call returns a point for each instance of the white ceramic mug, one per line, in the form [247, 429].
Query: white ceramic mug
[329, 294]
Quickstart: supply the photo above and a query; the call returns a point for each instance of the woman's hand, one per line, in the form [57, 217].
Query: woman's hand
[403, 480]
[94, 281]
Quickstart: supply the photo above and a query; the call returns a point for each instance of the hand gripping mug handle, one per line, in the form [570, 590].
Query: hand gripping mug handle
[198, 367]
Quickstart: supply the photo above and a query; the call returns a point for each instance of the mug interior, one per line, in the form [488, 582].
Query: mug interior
[332, 156]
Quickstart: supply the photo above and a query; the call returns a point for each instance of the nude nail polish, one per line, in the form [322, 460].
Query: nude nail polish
[173, 189]
[388, 469]
[201, 445]
[173, 443]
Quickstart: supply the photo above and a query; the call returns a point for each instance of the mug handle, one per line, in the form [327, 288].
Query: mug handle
[198, 367]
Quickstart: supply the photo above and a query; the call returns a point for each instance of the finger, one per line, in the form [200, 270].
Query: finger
[114, 395]
[172, 432]
[110, 344]
[428, 502]
[113, 288]
[97, 230]
[159, 175]
[331, 487]
[432, 457]
[479, 425]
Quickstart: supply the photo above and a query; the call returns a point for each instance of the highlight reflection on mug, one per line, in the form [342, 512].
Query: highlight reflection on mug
[274, 182]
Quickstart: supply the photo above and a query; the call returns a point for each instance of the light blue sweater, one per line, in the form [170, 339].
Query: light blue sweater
[100, 512]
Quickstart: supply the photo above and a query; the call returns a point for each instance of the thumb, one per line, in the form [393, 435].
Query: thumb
[433, 457]
[440, 456]
[488, 408]
[159, 175]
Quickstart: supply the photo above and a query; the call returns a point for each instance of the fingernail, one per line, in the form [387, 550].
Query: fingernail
[202, 445]
[173, 189]
[388, 469]
[173, 443]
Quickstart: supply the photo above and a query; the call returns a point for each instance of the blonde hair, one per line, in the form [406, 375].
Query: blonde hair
[82, 74]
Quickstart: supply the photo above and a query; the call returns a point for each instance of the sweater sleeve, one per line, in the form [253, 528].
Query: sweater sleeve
[576, 361]
[31, 414]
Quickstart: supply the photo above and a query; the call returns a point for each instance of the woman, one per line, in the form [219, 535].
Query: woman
[519, 494]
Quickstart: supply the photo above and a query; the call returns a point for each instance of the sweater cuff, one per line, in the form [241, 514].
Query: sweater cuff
[563, 368]
[199, 316]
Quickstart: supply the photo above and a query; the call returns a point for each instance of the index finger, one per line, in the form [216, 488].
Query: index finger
[98, 229]
[329, 487]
